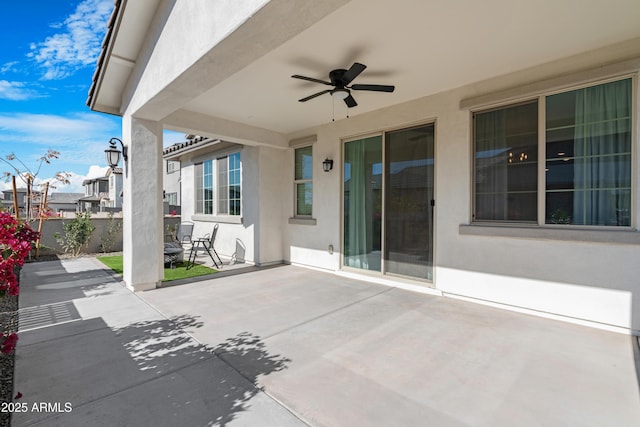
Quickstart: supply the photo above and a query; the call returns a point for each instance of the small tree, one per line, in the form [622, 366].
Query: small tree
[28, 176]
[107, 240]
[77, 233]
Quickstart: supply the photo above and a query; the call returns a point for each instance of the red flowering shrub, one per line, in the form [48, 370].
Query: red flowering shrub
[9, 343]
[16, 240]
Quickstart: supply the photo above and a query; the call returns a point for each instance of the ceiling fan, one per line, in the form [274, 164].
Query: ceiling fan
[340, 80]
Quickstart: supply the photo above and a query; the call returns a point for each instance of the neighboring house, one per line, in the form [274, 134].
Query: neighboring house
[63, 202]
[115, 188]
[56, 202]
[171, 181]
[96, 194]
[503, 169]
[21, 195]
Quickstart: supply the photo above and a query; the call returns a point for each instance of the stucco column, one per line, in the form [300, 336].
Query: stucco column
[142, 204]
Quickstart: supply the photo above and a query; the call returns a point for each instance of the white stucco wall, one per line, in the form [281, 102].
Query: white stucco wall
[308, 244]
[234, 237]
[566, 275]
[171, 181]
[181, 44]
[272, 184]
[143, 220]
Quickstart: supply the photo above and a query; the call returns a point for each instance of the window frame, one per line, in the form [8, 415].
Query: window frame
[300, 181]
[173, 166]
[540, 99]
[169, 197]
[209, 168]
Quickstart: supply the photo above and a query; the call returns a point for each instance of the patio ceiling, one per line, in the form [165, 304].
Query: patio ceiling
[421, 47]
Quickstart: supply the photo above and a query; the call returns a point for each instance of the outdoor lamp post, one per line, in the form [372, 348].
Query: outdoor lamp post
[113, 154]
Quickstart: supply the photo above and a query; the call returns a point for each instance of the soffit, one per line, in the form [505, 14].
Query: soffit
[126, 34]
[421, 47]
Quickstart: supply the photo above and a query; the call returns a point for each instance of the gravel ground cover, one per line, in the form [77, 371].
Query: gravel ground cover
[9, 323]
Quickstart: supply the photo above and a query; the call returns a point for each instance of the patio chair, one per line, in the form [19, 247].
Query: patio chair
[185, 230]
[207, 242]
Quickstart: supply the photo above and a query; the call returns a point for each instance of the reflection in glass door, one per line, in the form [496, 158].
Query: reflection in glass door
[408, 212]
[388, 222]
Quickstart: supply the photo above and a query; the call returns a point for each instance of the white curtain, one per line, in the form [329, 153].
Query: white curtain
[356, 245]
[602, 165]
[491, 166]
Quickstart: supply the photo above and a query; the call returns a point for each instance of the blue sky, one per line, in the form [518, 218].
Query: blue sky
[48, 56]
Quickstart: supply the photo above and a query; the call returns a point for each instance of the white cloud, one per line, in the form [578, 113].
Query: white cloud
[76, 180]
[96, 171]
[16, 91]
[51, 129]
[80, 138]
[79, 42]
[9, 67]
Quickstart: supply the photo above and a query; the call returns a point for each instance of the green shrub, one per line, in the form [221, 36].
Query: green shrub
[111, 232]
[77, 233]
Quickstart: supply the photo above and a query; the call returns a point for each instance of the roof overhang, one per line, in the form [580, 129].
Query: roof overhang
[423, 48]
[126, 31]
[195, 147]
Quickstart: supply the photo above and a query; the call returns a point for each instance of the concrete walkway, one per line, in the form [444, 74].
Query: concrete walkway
[291, 346]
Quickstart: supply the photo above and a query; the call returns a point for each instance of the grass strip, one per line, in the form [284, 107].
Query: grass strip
[114, 262]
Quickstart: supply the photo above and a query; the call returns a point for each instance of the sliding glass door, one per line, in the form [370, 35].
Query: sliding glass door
[408, 212]
[388, 202]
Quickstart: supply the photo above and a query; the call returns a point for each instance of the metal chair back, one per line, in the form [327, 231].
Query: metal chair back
[185, 231]
[212, 238]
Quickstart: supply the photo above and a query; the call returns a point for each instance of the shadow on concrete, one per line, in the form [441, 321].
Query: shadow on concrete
[145, 373]
[50, 283]
[248, 355]
[240, 253]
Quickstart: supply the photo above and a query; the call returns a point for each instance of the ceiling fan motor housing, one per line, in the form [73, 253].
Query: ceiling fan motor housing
[336, 77]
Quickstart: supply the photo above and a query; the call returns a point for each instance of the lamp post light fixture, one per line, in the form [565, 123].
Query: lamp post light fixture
[113, 154]
[327, 164]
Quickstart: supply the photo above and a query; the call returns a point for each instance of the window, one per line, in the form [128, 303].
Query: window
[507, 164]
[171, 198]
[229, 185]
[225, 189]
[303, 181]
[587, 162]
[173, 166]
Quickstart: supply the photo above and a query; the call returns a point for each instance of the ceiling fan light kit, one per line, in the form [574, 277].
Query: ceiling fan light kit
[340, 93]
[340, 80]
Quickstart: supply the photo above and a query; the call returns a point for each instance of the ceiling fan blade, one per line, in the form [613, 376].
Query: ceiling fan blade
[314, 95]
[353, 72]
[350, 101]
[311, 79]
[375, 88]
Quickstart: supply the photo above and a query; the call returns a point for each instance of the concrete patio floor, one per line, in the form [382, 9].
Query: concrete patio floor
[292, 346]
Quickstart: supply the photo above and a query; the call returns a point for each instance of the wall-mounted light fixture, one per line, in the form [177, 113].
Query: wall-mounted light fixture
[113, 154]
[327, 164]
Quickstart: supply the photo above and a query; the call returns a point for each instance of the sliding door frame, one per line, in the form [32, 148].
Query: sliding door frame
[383, 273]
